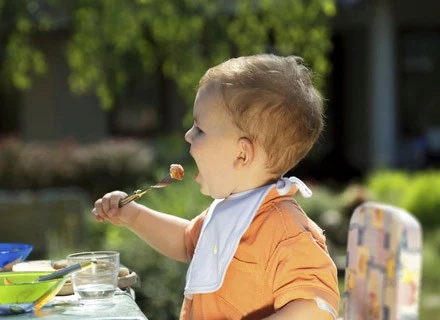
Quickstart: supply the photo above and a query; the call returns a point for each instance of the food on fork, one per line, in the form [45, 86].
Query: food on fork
[176, 172]
[123, 272]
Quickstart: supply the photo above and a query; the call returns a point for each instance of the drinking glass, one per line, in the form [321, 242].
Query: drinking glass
[96, 284]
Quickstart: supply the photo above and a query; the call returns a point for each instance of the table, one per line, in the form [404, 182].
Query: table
[67, 307]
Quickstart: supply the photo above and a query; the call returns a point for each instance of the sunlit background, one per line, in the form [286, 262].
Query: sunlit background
[97, 95]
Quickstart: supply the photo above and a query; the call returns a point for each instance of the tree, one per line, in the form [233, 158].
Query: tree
[113, 42]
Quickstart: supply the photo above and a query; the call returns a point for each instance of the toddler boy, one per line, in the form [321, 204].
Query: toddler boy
[253, 253]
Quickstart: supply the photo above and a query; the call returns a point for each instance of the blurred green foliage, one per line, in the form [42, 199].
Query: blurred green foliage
[431, 257]
[323, 199]
[389, 186]
[112, 43]
[417, 192]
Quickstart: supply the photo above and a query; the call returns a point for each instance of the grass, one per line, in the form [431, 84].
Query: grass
[430, 289]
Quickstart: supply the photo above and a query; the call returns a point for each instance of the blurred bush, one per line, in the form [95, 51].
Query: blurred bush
[323, 199]
[431, 259]
[97, 168]
[422, 198]
[417, 192]
[389, 186]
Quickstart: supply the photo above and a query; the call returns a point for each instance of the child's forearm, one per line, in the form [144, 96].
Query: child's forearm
[163, 232]
[301, 309]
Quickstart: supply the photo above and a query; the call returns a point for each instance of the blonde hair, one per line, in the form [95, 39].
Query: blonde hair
[273, 101]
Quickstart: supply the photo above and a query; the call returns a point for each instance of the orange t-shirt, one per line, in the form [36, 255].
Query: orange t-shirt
[280, 258]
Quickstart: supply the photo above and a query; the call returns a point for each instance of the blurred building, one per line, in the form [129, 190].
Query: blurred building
[383, 93]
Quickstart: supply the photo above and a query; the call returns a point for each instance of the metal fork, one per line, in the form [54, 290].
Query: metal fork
[139, 193]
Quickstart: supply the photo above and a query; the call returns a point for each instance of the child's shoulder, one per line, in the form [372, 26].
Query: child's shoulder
[280, 224]
[287, 219]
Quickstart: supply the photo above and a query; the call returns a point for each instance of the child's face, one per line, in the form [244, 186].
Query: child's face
[214, 145]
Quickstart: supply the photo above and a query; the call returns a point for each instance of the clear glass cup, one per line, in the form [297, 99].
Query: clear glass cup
[96, 284]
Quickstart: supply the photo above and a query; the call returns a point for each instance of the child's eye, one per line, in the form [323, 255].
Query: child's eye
[198, 130]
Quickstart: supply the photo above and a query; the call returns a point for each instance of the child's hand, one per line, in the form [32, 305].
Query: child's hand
[107, 209]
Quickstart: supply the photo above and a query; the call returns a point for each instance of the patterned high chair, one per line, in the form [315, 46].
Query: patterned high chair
[383, 268]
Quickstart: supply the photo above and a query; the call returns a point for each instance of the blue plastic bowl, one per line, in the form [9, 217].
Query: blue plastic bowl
[12, 253]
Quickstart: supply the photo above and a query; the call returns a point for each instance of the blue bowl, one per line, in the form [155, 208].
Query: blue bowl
[12, 253]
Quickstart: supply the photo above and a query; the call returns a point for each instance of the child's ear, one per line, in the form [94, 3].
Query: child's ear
[245, 154]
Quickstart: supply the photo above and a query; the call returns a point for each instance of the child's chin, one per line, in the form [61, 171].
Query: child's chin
[203, 190]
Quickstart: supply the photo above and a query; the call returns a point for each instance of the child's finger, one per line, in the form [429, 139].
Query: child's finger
[106, 203]
[96, 216]
[97, 207]
[98, 211]
[114, 203]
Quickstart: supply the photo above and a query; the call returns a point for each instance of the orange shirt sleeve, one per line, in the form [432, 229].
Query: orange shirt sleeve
[300, 268]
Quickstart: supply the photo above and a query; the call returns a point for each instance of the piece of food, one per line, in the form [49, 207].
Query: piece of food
[176, 172]
[60, 264]
[123, 272]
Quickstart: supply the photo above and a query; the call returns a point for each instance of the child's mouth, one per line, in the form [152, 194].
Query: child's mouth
[196, 175]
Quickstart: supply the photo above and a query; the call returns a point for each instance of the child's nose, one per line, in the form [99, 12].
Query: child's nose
[188, 136]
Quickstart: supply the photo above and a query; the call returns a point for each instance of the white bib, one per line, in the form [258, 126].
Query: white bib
[225, 223]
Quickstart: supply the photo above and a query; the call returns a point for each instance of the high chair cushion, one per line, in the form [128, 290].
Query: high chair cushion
[383, 267]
